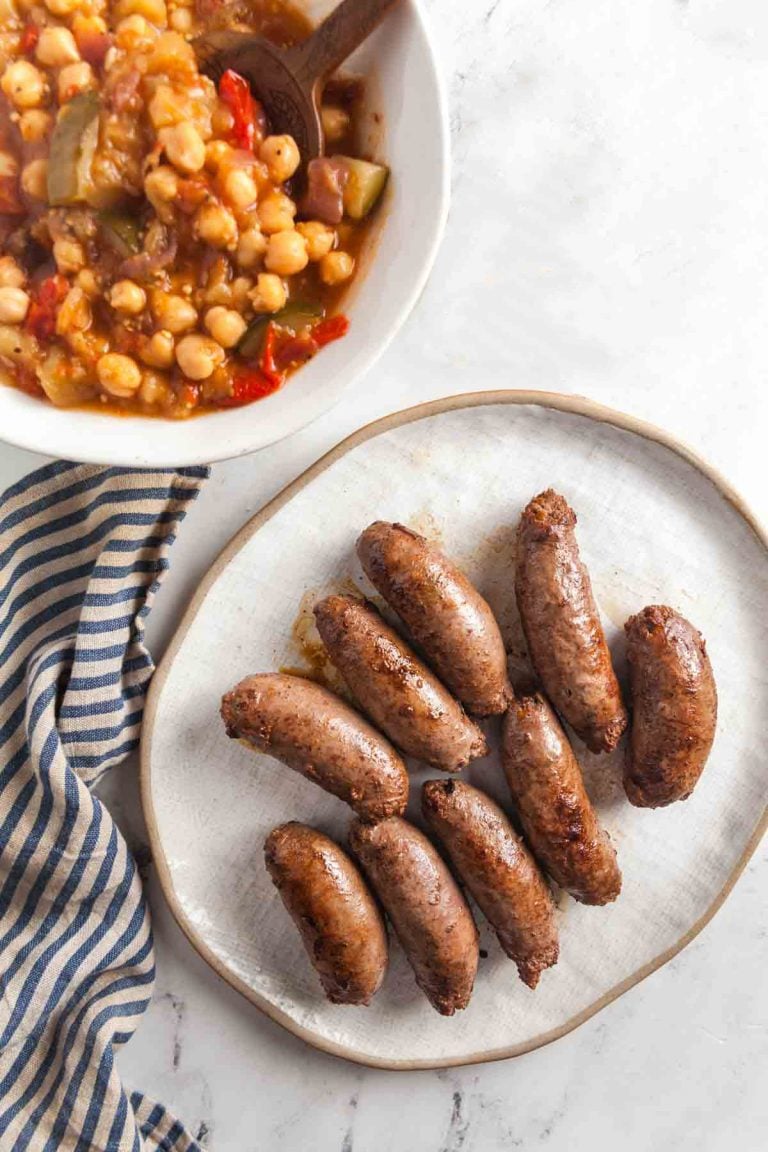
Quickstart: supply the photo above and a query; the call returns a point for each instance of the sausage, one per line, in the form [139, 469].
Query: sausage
[674, 707]
[333, 909]
[444, 614]
[399, 693]
[556, 814]
[312, 731]
[428, 912]
[562, 626]
[499, 871]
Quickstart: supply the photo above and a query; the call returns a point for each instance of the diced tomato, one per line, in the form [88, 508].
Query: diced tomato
[329, 330]
[27, 381]
[29, 38]
[235, 91]
[93, 46]
[294, 351]
[267, 364]
[190, 195]
[189, 394]
[41, 317]
[249, 385]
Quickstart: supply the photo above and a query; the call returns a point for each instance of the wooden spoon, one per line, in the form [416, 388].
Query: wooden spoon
[289, 81]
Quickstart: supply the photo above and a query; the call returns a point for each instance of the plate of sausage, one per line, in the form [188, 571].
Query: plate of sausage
[461, 737]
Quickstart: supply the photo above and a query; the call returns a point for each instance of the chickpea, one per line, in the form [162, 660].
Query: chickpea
[62, 7]
[281, 156]
[241, 293]
[225, 326]
[86, 280]
[56, 47]
[118, 375]
[181, 20]
[336, 267]
[34, 179]
[198, 356]
[154, 391]
[69, 254]
[239, 188]
[222, 119]
[161, 184]
[11, 276]
[135, 32]
[251, 248]
[73, 79]
[215, 153]
[183, 146]
[319, 237]
[23, 84]
[216, 225]
[269, 295]
[173, 313]
[127, 297]
[158, 350]
[154, 11]
[34, 125]
[286, 253]
[276, 213]
[335, 123]
[14, 303]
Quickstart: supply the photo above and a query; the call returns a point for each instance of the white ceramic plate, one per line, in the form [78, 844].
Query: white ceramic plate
[406, 89]
[655, 525]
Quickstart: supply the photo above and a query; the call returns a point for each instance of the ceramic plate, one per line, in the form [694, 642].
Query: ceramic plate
[655, 525]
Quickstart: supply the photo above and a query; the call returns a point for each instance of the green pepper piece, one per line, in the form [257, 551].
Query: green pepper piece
[73, 145]
[121, 232]
[295, 317]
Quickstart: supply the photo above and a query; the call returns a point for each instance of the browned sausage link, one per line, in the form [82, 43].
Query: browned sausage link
[398, 692]
[498, 870]
[562, 626]
[428, 912]
[333, 909]
[674, 707]
[557, 816]
[313, 732]
[445, 615]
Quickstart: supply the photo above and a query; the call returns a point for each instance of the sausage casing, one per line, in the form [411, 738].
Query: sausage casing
[562, 626]
[556, 814]
[399, 693]
[428, 912]
[444, 613]
[498, 870]
[312, 731]
[674, 707]
[333, 909]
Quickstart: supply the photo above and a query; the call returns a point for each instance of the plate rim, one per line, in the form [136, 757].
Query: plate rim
[572, 404]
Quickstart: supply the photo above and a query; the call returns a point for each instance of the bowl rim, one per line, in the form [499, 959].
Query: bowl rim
[557, 401]
[51, 442]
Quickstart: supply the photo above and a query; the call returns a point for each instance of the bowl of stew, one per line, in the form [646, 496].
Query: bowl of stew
[173, 288]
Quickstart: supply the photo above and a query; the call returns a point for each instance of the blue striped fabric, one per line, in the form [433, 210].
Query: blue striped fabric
[82, 553]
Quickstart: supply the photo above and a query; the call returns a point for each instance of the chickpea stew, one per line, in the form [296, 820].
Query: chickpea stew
[155, 253]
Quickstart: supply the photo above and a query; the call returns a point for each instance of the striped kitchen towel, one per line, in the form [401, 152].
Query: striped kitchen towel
[82, 553]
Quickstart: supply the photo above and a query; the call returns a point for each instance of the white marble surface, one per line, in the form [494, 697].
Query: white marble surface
[608, 237]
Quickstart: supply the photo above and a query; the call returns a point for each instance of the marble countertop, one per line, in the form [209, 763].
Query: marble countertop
[607, 237]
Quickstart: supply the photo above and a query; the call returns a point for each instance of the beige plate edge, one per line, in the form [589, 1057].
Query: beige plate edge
[576, 405]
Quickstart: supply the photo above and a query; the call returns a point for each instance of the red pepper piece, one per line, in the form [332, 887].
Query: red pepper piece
[294, 351]
[29, 38]
[248, 386]
[235, 91]
[41, 317]
[329, 330]
[268, 365]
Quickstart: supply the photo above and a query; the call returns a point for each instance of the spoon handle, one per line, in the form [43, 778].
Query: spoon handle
[336, 38]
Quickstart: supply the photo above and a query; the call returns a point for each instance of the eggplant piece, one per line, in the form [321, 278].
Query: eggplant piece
[364, 186]
[73, 145]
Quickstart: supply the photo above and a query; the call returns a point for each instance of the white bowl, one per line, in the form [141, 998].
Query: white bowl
[405, 86]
